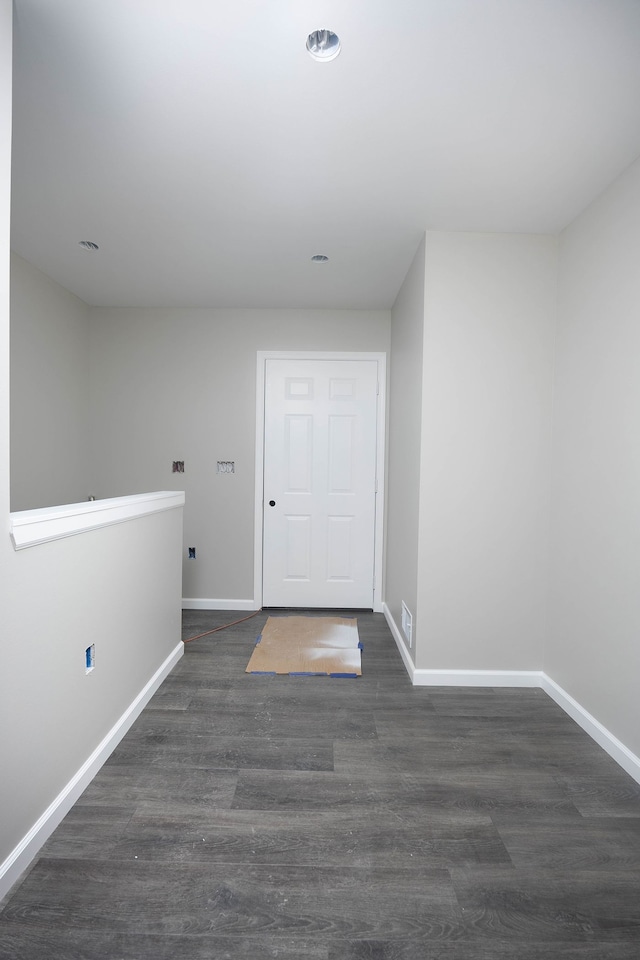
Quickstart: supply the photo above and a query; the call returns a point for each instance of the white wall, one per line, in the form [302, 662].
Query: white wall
[593, 650]
[485, 452]
[49, 391]
[180, 385]
[403, 482]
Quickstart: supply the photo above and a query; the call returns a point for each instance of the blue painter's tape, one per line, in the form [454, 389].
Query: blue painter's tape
[263, 673]
[345, 676]
[360, 645]
[259, 639]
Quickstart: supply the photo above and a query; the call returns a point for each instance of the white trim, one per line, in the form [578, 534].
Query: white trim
[603, 737]
[477, 678]
[259, 479]
[199, 603]
[31, 527]
[22, 855]
[381, 359]
[520, 678]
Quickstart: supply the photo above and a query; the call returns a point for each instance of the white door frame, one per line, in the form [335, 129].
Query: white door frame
[263, 356]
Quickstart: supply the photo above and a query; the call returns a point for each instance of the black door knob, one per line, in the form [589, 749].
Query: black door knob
[272, 503]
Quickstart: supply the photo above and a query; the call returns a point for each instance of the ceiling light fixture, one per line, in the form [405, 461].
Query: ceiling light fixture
[319, 258]
[88, 245]
[323, 45]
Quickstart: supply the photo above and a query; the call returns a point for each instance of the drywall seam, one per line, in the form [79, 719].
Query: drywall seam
[20, 857]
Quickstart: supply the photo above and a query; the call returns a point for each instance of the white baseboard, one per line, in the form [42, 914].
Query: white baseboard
[22, 855]
[520, 678]
[477, 678]
[614, 747]
[198, 603]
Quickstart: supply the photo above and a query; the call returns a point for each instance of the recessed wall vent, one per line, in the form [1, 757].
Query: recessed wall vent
[407, 623]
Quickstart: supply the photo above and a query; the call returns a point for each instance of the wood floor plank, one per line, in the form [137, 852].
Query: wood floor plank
[21, 942]
[266, 817]
[479, 728]
[179, 833]
[465, 950]
[507, 699]
[89, 831]
[580, 844]
[220, 753]
[457, 790]
[538, 904]
[250, 720]
[243, 901]
[118, 784]
[613, 795]
[545, 753]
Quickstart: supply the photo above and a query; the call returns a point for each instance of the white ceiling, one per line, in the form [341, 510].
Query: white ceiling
[210, 157]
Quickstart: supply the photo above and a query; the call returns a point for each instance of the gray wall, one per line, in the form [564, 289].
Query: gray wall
[593, 650]
[49, 391]
[59, 597]
[66, 595]
[486, 431]
[171, 384]
[405, 406]
[9, 602]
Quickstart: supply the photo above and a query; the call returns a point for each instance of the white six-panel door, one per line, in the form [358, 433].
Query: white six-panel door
[319, 483]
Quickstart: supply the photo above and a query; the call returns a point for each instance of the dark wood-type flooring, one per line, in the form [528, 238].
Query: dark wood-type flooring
[247, 817]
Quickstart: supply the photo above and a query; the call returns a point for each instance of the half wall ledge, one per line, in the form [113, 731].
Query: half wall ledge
[28, 528]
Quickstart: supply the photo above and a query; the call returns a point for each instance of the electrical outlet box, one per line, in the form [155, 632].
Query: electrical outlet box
[90, 658]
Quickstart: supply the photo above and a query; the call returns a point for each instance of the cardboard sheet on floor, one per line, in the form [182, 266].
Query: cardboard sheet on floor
[308, 646]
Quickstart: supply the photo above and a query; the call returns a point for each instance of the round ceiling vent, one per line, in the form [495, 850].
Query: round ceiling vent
[323, 45]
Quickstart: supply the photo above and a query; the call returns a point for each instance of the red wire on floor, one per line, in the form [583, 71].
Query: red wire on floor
[223, 627]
